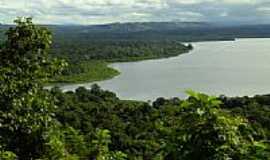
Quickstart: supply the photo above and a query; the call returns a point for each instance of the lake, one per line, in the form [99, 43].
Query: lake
[232, 68]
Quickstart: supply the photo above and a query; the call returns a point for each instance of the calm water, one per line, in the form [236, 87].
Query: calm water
[233, 68]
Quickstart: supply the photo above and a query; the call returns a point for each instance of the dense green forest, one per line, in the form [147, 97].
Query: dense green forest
[81, 50]
[82, 55]
[88, 59]
[200, 127]
[96, 125]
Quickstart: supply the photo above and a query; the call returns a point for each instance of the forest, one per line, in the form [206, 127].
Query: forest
[94, 124]
[89, 59]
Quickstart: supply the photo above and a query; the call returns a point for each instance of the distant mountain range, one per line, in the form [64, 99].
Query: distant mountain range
[131, 27]
[182, 31]
[146, 26]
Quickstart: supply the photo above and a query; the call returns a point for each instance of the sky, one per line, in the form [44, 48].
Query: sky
[109, 11]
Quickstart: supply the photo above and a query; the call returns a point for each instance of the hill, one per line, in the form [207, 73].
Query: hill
[156, 31]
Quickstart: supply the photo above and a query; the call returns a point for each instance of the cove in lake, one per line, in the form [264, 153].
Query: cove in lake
[232, 68]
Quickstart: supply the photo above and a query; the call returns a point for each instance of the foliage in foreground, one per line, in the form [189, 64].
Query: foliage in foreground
[168, 129]
[28, 128]
[95, 124]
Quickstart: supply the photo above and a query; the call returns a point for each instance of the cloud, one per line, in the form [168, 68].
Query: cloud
[241, 1]
[265, 9]
[106, 11]
[190, 2]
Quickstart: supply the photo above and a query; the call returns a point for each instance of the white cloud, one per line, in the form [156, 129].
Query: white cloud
[217, 1]
[241, 1]
[103, 11]
[224, 14]
[190, 14]
[188, 2]
[263, 9]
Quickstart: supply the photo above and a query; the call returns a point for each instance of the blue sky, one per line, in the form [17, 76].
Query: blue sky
[108, 11]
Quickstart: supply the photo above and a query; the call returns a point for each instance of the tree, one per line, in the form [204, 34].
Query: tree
[204, 131]
[101, 149]
[7, 155]
[26, 110]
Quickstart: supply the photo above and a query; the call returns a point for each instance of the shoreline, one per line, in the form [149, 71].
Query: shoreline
[72, 79]
[131, 60]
